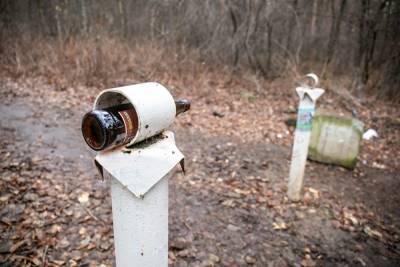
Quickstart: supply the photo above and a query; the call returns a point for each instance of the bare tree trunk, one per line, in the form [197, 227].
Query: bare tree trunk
[42, 19]
[251, 28]
[368, 38]
[335, 31]
[122, 17]
[84, 18]
[292, 24]
[391, 77]
[66, 27]
[233, 36]
[313, 18]
[32, 19]
[57, 14]
[361, 32]
[320, 18]
[153, 22]
[269, 46]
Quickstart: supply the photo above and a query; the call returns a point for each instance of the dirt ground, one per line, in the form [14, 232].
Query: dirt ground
[229, 209]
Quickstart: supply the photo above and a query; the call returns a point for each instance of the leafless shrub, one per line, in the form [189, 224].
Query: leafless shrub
[269, 38]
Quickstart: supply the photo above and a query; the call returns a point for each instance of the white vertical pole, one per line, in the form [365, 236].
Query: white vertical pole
[302, 136]
[140, 225]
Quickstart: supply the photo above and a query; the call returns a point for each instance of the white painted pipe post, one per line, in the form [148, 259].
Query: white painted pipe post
[308, 97]
[139, 186]
[140, 225]
[139, 194]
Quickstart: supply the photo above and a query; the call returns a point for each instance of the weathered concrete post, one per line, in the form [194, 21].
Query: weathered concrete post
[308, 97]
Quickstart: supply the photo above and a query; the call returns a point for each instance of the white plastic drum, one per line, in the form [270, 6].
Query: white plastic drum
[154, 105]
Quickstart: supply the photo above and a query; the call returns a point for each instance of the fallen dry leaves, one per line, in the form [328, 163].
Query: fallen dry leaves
[229, 209]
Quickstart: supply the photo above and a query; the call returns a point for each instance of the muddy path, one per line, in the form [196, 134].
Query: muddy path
[228, 210]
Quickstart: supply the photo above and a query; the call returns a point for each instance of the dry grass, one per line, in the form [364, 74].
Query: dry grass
[95, 61]
[107, 61]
